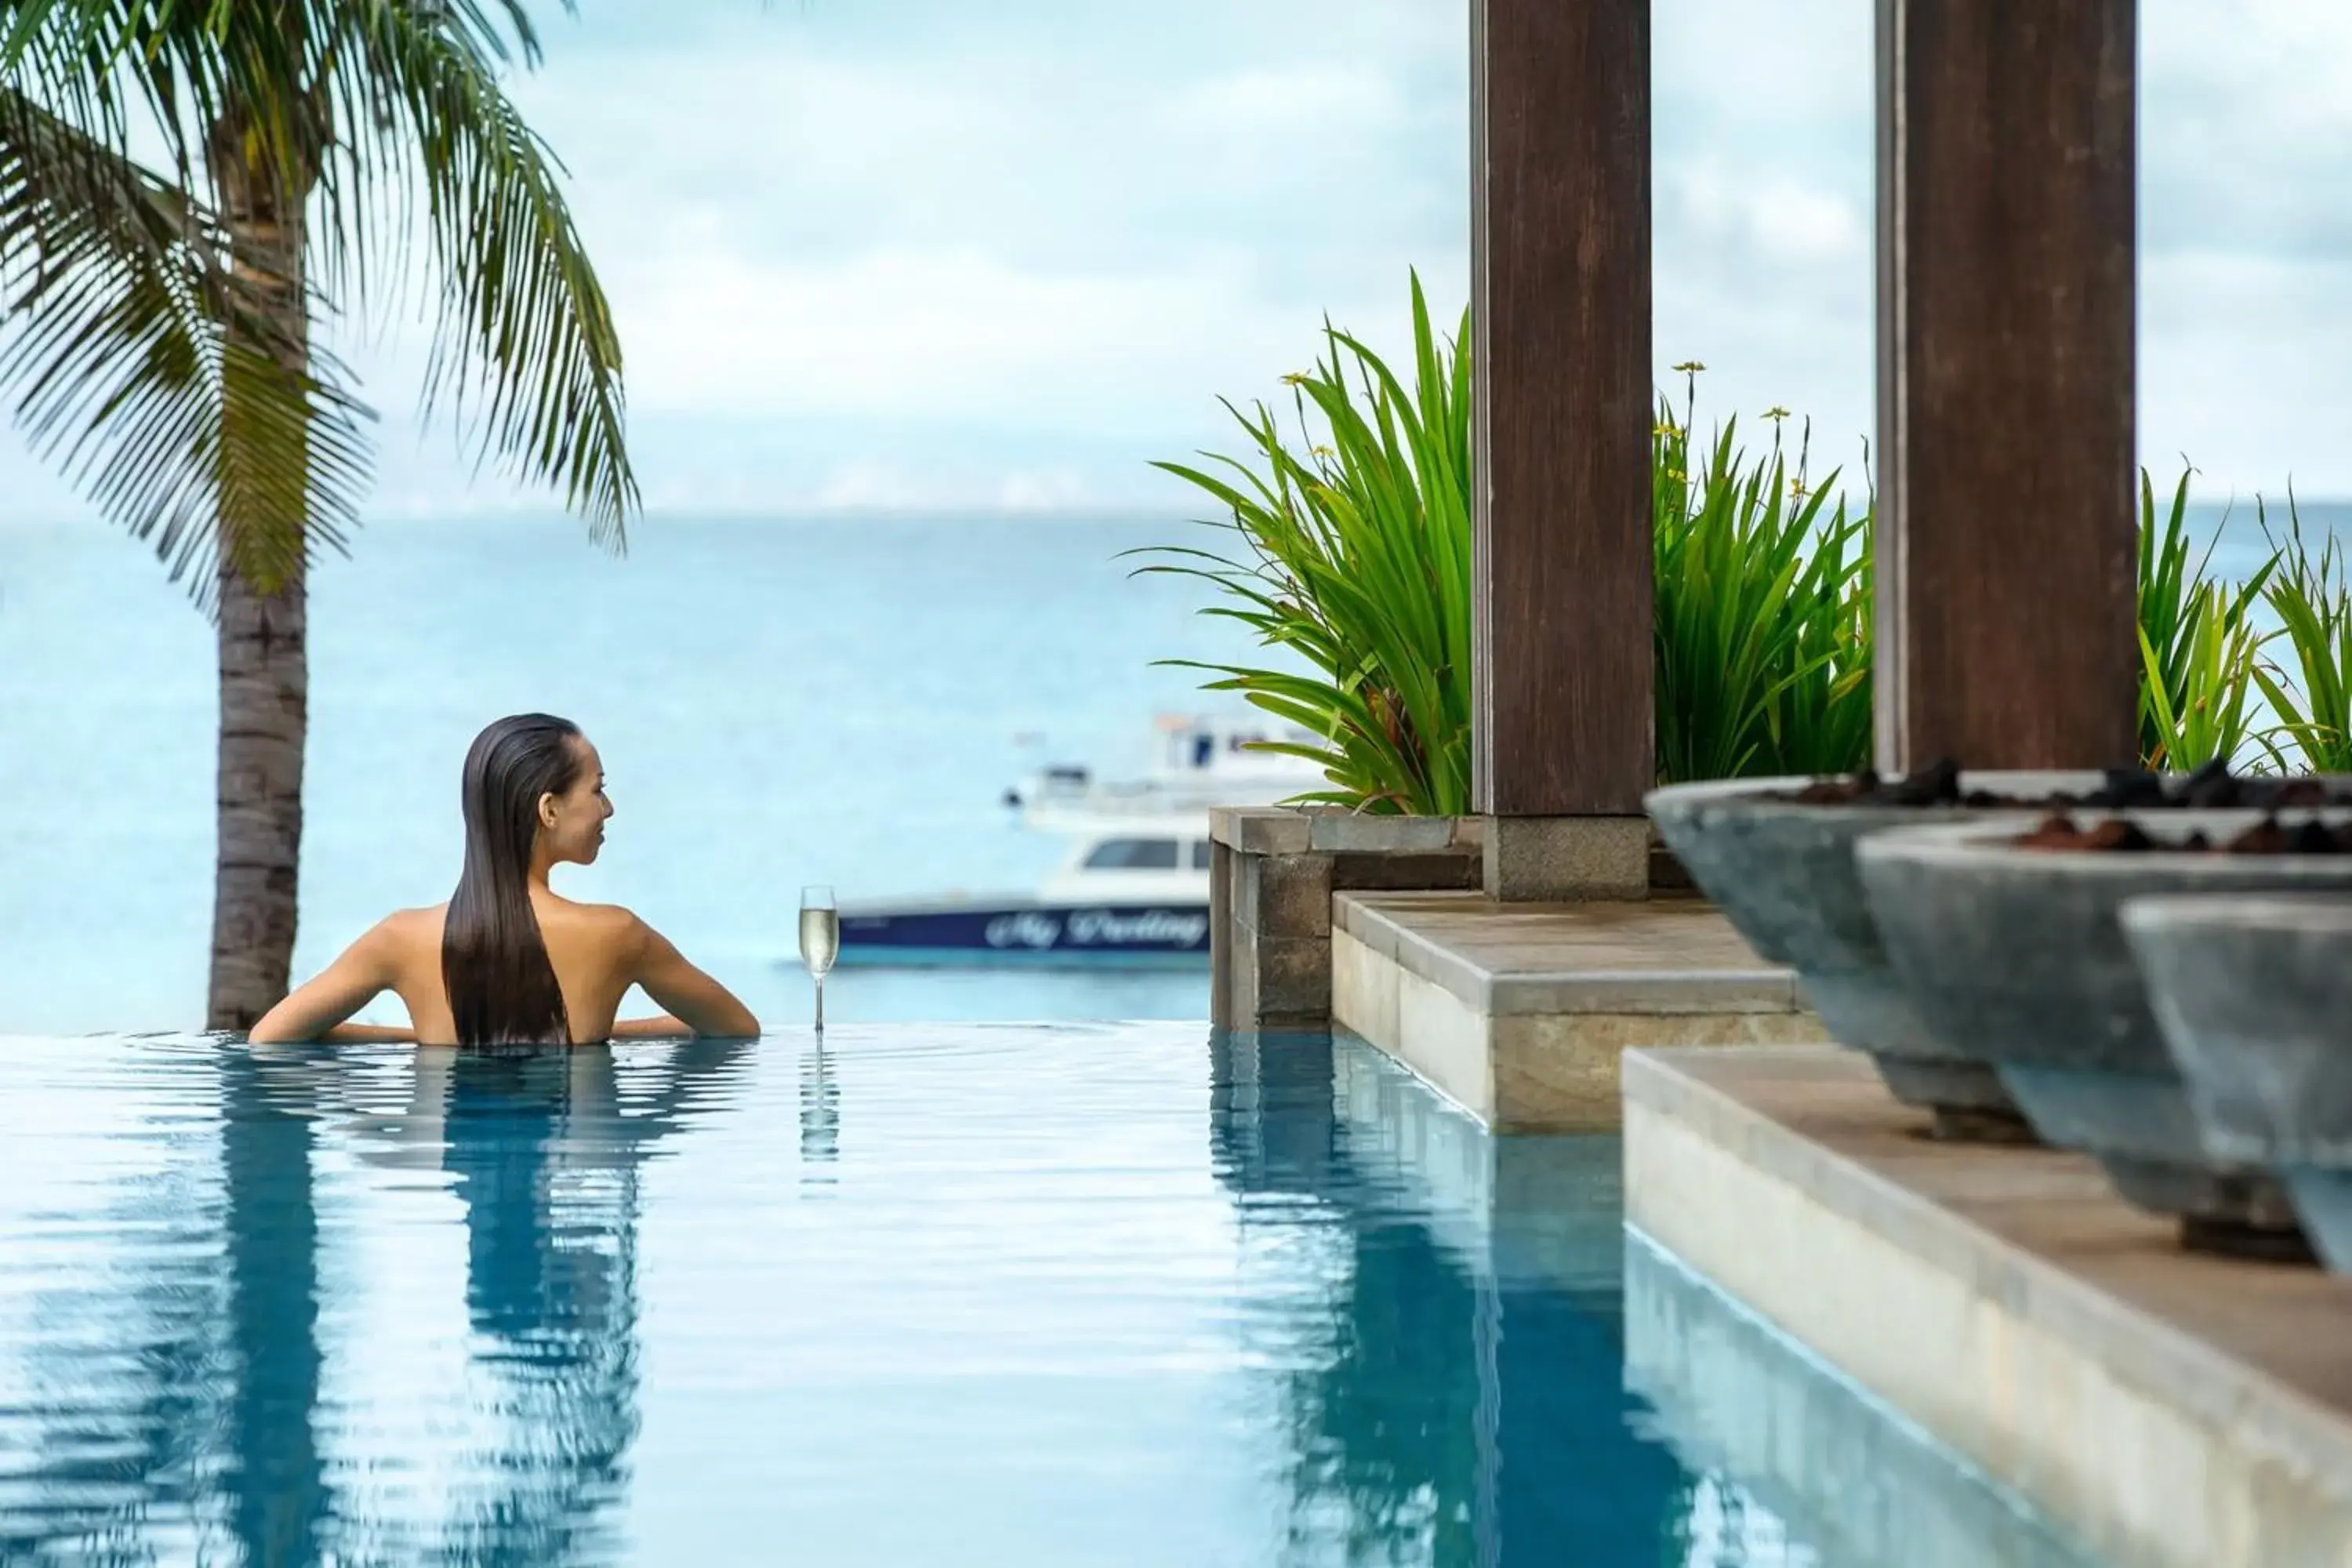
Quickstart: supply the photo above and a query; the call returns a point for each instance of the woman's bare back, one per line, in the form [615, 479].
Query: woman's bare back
[597, 951]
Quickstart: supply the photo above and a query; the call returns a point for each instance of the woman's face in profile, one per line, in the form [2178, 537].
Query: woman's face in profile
[573, 824]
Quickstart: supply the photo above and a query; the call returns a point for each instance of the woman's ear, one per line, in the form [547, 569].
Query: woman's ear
[546, 811]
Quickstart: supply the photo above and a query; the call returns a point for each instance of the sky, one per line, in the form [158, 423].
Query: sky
[933, 255]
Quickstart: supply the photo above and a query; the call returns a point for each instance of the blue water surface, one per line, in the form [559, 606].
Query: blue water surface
[1021, 1296]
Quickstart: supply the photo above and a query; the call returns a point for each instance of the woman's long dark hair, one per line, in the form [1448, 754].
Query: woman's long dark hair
[494, 963]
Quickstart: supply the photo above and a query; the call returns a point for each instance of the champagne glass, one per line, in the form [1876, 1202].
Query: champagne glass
[820, 939]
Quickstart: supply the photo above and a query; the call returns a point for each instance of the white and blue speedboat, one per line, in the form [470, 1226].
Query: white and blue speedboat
[1133, 889]
[1198, 761]
[1134, 886]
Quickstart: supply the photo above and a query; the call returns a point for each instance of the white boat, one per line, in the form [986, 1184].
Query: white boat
[1200, 761]
[1133, 889]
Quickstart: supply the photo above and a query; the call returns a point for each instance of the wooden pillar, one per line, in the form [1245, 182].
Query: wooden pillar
[1561, 395]
[2007, 602]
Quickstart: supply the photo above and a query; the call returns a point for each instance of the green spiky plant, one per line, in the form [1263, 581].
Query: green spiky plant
[2200, 650]
[1350, 550]
[2312, 599]
[1763, 628]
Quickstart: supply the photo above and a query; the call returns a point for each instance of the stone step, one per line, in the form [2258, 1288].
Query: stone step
[2161, 1406]
[1519, 1012]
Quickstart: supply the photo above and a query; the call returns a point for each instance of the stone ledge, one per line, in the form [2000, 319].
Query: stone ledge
[1520, 1015]
[1524, 959]
[1259, 829]
[2161, 1406]
[1271, 875]
[1328, 830]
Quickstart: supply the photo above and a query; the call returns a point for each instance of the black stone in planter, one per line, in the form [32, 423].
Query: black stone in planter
[2016, 957]
[1782, 871]
[2254, 996]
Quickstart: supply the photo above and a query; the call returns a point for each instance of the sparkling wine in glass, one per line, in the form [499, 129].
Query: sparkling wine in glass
[820, 939]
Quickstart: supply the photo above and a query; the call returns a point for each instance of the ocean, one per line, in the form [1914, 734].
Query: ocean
[780, 701]
[841, 700]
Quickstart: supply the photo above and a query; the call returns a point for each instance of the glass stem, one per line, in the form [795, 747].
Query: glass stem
[820, 1004]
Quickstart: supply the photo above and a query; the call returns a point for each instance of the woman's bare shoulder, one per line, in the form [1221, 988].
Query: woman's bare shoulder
[612, 923]
[425, 921]
[409, 931]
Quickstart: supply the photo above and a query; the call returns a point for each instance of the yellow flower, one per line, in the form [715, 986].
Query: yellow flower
[1797, 486]
[1323, 451]
[1776, 412]
[1667, 430]
[1689, 367]
[1295, 378]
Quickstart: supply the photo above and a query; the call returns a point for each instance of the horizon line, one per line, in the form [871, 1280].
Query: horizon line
[1073, 513]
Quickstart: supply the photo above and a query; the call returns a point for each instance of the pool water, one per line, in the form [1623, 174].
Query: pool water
[918, 1296]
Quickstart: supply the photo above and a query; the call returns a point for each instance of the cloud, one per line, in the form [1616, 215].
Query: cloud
[1248, 106]
[1763, 200]
[1764, 262]
[926, 334]
[865, 486]
[924, 253]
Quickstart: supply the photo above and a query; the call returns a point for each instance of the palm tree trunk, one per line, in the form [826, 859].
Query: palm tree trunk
[264, 719]
[264, 632]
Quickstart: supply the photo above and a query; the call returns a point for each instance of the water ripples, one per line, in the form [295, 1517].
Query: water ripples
[1039, 1295]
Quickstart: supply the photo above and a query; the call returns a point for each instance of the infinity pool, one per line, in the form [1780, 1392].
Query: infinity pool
[970, 1296]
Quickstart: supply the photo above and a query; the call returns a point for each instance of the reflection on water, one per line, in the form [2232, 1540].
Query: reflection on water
[820, 1117]
[183, 1416]
[279, 1499]
[1068, 1297]
[545, 1159]
[110, 1418]
[1467, 1407]
[1865, 1488]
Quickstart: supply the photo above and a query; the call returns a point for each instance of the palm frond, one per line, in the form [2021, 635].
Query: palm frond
[395, 109]
[140, 361]
[525, 355]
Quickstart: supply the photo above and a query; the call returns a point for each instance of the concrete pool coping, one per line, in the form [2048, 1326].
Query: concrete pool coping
[2162, 1406]
[1520, 1013]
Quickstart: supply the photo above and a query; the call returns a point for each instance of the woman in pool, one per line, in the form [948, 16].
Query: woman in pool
[506, 962]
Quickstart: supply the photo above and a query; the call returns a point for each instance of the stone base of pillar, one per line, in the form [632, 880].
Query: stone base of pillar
[1567, 859]
[1271, 876]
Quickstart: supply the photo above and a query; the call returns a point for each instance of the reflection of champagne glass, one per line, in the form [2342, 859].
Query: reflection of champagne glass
[820, 939]
[820, 1117]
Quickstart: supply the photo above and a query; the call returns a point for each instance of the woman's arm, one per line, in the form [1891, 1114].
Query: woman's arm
[697, 1003]
[316, 1010]
[661, 1027]
[369, 1034]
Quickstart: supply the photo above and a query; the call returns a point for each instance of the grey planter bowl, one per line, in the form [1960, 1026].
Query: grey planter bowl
[2254, 995]
[2017, 958]
[1784, 875]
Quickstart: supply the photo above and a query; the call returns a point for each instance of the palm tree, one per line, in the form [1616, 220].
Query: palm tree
[159, 320]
